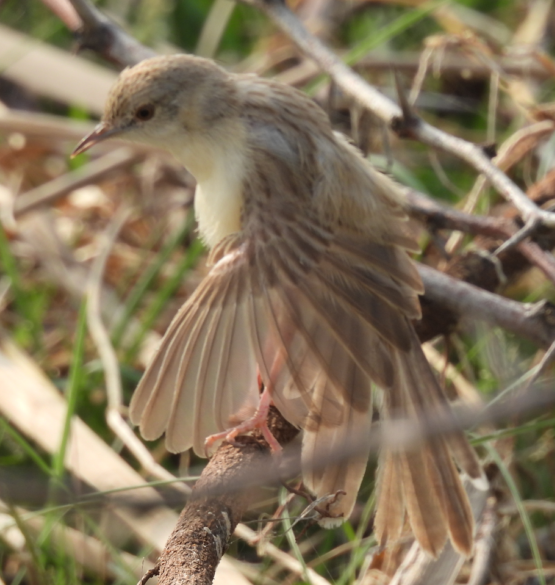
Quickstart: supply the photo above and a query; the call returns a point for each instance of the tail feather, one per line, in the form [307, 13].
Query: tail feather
[433, 497]
[426, 518]
[430, 397]
[453, 499]
[325, 475]
[391, 513]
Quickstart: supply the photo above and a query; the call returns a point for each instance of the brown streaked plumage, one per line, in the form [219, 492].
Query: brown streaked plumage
[310, 285]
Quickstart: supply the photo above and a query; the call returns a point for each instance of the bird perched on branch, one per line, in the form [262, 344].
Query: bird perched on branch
[310, 288]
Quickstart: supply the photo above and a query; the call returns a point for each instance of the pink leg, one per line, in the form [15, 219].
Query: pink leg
[257, 421]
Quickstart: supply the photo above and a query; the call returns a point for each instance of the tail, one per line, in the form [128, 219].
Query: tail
[329, 471]
[422, 485]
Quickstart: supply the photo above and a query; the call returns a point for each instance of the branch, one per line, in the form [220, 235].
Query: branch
[228, 483]
[207, 522]
[438, 216]
[98, 33]
[535, 321]
[370, 98]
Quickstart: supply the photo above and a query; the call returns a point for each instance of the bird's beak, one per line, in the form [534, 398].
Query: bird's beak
[101, 132]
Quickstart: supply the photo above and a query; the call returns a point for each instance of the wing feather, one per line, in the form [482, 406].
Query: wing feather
[181, 425]
[308, 298]
[322, 315]
[157, 410]
[150, 387]
[389, 260]
[391, 507]
[354, 281]
[199, 408]
[240, 370]
[329, 464]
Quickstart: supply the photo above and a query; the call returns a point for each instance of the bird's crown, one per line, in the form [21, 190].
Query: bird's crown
[167, 81]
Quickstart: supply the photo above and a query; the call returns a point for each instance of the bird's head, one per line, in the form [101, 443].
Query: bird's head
[164, 101]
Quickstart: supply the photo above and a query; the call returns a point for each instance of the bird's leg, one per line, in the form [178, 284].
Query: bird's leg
[259, 420]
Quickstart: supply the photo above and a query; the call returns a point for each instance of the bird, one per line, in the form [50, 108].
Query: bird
[311, 290]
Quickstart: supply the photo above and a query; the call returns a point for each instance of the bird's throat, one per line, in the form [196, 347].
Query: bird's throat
[218, 203]
[219, 165]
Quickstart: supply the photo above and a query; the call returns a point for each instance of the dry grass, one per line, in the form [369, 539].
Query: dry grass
[70, 505]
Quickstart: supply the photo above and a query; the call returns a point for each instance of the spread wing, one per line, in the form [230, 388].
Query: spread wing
[307, 307]
[322, 315]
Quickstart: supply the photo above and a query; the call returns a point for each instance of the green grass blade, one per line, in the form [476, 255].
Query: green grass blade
[25, 446]
[145, 281]
[290, 535]
[187, 263]
[525, 518]
[74, 383]
[393, 29]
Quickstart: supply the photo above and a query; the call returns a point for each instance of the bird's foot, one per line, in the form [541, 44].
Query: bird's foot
[258, 421]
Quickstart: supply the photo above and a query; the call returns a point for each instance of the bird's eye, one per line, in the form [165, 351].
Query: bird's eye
[145, 112]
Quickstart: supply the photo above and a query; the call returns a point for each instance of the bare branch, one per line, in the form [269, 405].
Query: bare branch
[207, 522]
[100, 34]
[369, 97]
[438, 216]
[536, 321]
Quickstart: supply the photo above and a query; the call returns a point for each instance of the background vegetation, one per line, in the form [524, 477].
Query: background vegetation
[489, 74]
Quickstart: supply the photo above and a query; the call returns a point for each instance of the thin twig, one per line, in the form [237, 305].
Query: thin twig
[513, 150]
[533, 321]
[369, 97]
[548, 357]
[441, 217]
[49, 192]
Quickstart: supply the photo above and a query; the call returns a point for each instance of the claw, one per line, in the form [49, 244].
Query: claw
[258, 421]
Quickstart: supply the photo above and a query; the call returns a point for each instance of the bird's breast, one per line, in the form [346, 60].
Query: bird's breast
[218, 205]
[219, 165]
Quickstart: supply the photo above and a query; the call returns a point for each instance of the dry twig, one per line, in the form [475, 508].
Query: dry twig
[413, 127]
